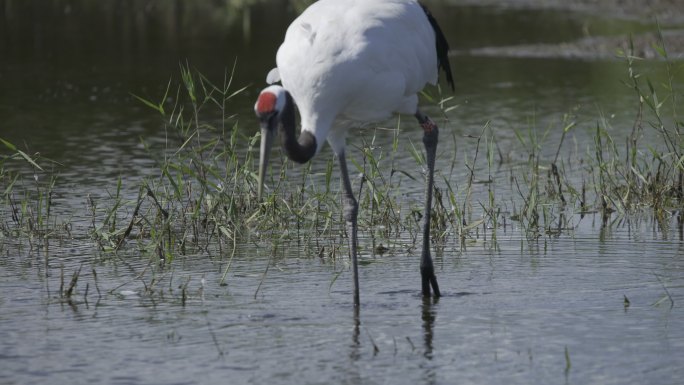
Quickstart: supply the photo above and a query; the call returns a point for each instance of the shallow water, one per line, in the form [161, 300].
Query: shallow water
[506, 316]
[550, 310]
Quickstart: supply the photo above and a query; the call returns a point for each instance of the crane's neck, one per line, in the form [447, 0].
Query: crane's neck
[301, 149]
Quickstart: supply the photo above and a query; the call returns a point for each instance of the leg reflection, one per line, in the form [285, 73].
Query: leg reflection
[429, 314]
[356, 344]
[354, 373]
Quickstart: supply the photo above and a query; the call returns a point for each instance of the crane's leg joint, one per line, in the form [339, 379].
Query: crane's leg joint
[429, 281]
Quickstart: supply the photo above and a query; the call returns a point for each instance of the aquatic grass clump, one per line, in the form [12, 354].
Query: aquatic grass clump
[27, 197]
[548, 198]
[184, 174]
[203, 197]
[614, 177]
[211, 178]
[649, 175]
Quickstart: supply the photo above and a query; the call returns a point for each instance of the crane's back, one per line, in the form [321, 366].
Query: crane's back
[357, 60]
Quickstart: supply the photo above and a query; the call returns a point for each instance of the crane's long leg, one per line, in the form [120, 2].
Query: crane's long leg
[427, 269]
[351, 211]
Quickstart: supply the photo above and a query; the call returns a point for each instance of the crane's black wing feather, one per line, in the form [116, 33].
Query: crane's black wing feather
[442, 47]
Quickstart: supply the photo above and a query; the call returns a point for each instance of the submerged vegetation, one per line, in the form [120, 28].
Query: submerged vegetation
[203, 198]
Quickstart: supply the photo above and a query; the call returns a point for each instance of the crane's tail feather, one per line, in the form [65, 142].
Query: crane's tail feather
[442, 47]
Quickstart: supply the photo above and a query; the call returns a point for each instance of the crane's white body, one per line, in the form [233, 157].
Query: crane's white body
[348, 63]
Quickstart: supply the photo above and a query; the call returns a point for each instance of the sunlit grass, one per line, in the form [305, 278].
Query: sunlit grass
[203, 197]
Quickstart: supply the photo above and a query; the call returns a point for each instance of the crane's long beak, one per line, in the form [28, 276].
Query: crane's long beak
[267, 134]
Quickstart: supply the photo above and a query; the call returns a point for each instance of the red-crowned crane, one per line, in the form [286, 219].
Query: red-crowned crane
[346, 64]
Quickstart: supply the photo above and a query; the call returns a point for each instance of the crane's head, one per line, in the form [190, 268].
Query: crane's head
[268, 108]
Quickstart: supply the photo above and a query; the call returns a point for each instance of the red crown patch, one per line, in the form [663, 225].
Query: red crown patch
[266, 103]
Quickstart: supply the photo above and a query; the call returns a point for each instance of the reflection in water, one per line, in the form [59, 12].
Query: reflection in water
[355, 352]
[355, 335]
[429, 314]
[424, 368]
